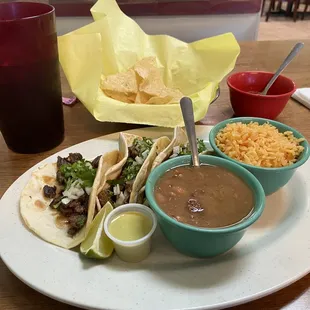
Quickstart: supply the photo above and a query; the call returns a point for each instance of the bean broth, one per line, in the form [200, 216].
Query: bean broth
[205, 196]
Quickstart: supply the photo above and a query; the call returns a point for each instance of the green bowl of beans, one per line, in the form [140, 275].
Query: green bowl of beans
[203, 241]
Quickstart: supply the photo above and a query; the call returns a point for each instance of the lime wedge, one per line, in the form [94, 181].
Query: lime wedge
[97, 244]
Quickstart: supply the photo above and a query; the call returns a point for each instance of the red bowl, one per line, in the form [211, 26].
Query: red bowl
[245, 103]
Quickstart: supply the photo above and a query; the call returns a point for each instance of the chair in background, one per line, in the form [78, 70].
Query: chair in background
[296, 6]
[272, 6]
[290, 5]
[263, 8]
[307, 3]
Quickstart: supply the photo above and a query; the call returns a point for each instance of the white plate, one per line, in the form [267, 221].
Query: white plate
[274, 253]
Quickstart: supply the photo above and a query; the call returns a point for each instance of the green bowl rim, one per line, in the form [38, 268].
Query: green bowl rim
[256, 187]
[213, 132]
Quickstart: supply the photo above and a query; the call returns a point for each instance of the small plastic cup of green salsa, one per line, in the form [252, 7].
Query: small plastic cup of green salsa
[130, 227]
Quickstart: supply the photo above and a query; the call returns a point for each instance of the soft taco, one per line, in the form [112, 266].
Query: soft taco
[125, 180]
[179, 146]
[58, 203]
[179, 139]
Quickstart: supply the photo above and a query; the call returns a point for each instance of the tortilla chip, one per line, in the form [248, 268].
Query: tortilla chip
[153, 85]
[123, 82]
[175, 95]
[132, 98]
[159, 100]
[142, 97]
[120, 96]
[155, 88]
[166, 95]
[142, 83]
[143, 67]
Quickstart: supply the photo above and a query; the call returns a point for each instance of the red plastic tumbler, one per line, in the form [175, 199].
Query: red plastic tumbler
[31, 115]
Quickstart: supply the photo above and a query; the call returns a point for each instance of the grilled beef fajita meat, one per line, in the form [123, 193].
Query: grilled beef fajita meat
[75, 177]
[49, 191]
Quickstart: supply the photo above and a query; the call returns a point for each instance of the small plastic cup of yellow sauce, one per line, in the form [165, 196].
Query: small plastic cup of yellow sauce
[131, 227]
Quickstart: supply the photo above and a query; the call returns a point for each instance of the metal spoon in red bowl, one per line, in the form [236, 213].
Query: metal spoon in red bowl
[286, 61]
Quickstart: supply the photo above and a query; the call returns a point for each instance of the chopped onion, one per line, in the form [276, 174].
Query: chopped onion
[120, 200]
[98, 205]
[88, 165]
[139, 160]
[65, 200]
[75, 191]
[176, 149]
[126, 195]
[145, 153]
[116, 190]
[88, 190]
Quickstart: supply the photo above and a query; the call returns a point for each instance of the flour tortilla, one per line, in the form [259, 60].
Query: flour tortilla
[179, 138]
[159, 145]
[42, 219]
[125, 141]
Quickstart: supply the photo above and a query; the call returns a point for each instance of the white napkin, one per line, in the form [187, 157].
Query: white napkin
[303, 96]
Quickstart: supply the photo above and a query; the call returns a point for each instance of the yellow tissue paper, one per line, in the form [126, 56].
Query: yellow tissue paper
[114, 43]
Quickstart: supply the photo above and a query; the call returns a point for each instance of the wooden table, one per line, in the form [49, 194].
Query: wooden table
[81, 126]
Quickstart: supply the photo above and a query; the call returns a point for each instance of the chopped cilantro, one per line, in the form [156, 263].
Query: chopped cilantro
[109, 193]
[82, 170]
[80, 221]
[201, 146]
[185, 149]
[142, 145]
[131, 167]
[130, 170]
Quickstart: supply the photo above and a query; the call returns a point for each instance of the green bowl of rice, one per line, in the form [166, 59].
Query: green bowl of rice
[270, 150]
